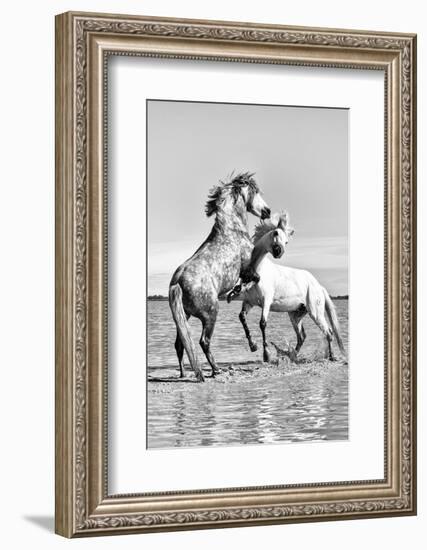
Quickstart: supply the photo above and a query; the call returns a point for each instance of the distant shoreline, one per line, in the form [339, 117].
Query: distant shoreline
[161, 298]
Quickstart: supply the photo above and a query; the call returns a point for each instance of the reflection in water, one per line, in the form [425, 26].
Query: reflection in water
[256, 404]
[292, 408]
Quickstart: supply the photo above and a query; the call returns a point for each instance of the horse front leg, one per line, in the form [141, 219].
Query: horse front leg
[242, 316]
[263, 326]
[235, 291]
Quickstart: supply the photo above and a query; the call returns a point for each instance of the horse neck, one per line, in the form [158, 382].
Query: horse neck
[229, 219]
[259, 252]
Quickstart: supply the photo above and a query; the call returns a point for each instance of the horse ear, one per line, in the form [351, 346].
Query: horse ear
[283, 221]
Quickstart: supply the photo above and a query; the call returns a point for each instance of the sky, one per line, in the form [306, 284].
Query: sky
[300, 159]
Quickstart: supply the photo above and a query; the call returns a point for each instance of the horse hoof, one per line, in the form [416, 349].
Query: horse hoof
[200, 377]
[266, 357]
[254, 347]
[215, 373]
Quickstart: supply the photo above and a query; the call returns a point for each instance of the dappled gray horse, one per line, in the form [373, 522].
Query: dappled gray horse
[214, 268]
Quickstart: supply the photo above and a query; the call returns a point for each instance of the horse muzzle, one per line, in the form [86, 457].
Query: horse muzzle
[277, 251]
[265, 213]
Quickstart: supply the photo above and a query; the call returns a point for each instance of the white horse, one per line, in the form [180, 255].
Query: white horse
[284, 289]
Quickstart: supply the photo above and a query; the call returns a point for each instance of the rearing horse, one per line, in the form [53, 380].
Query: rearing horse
[214, 268]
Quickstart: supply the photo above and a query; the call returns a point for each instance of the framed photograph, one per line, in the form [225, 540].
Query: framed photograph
[235, 274]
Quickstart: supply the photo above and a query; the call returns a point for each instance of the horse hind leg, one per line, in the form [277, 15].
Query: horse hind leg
[329, 343]
[296, 318]
[327, 332]
[316, 309]
[205, 340]
[303, 334]
[242, 316]
[179, 348]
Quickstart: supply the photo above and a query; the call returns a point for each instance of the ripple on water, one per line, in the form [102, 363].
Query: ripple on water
[260, 410]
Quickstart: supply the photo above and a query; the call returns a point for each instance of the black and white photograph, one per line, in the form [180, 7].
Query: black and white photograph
[247, 274]
[213, 255]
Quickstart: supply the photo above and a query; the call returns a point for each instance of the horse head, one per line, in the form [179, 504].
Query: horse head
[274, 234]
[279, 237]
[241, 194]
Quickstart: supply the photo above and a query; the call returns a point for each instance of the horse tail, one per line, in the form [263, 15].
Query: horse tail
[333, 319]
[175, 303]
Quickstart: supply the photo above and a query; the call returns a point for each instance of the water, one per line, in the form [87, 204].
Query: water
[229, 341]
[250, 402]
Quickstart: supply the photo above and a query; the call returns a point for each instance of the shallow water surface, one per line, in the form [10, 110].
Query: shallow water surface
[249, 402]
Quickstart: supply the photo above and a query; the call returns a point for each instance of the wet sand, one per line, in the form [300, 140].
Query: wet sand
[168, 379]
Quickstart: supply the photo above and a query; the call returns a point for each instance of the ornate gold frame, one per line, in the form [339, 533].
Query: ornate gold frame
[83, 506]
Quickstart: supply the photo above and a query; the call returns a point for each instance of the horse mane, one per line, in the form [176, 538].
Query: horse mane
[265, 226]
[219, 193]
